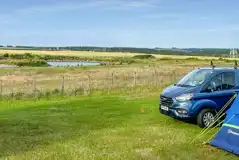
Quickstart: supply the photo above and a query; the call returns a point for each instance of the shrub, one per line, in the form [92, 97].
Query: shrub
[6, 55]
[32, 63]
[166, 58]
[56, 91]
[16, 56]
[79, 91]
[18, 95]
[227, 60]
[28, 56]
[192, 58]
[144, 56]
[26, 62]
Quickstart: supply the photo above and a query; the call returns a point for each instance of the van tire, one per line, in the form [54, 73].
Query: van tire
[203, 115]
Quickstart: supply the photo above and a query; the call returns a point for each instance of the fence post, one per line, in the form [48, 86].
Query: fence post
[76, 87]
[34, 88]
[34, 85]
[135, 78]
[155, 72]
[156, 77]
[12, 89]
[89, 83]
[82, 87]
[1, 88]
[107, 83]
[112, 80]
[62, 85]
[138, 81]
[174, 75]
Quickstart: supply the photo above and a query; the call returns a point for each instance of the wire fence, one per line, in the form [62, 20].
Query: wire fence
[86, 83]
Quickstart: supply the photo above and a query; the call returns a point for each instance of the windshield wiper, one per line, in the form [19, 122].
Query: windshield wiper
[184, 85]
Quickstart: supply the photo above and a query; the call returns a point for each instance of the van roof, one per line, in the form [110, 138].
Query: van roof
[222, 69]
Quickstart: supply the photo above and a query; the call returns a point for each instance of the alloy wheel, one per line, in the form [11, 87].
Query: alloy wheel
[208, 118]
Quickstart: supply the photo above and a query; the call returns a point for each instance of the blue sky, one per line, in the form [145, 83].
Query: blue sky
[129, 23]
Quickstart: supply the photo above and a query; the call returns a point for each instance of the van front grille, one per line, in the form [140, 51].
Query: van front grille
[166, 101]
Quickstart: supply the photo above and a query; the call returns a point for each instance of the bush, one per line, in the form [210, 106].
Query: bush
[228, 60]
[29, 59]
[192, 58]
[32, 63]
[16, 56]
[6, 55]
[56, 91]
[144, 56]
[28, 56]
[166, 58]
[26, 62]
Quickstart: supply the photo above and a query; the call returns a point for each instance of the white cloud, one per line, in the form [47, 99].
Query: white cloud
[175, 16]
[220, 29]
[99, 4]
[163, 16]
[68, 6]
[138, 4]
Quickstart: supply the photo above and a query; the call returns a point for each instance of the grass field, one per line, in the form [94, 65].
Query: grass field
[106, 124]
[98, 127]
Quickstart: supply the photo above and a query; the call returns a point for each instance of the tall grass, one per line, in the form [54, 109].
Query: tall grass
[87, 83]
[40, 81]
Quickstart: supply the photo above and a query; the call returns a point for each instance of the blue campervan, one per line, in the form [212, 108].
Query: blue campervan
[200, 94]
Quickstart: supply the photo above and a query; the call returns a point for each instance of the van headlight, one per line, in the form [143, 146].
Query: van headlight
[184, 97]
[182, 111]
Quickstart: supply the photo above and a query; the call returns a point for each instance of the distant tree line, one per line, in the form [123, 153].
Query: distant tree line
[173, 51]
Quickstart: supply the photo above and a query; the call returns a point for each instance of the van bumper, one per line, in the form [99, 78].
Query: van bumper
[172, 112]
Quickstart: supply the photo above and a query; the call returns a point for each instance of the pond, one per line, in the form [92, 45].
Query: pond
[70, 63]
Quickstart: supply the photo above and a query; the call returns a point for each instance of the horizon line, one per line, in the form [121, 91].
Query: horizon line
[64, 46]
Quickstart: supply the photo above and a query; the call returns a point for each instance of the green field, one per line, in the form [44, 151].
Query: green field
[105, 123]
[98, 127]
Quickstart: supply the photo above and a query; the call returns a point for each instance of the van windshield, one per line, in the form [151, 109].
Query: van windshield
[194, 78]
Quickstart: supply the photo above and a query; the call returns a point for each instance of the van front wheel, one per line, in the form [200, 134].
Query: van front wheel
[205, 118]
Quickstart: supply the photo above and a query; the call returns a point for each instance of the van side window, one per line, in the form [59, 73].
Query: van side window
[228, 80]
[223, 81]
[216, 82]
[214, 85]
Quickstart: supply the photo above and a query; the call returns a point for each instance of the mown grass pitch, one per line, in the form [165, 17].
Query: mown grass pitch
[97, 127]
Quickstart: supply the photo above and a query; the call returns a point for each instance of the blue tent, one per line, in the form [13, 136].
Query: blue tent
[228, 136]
